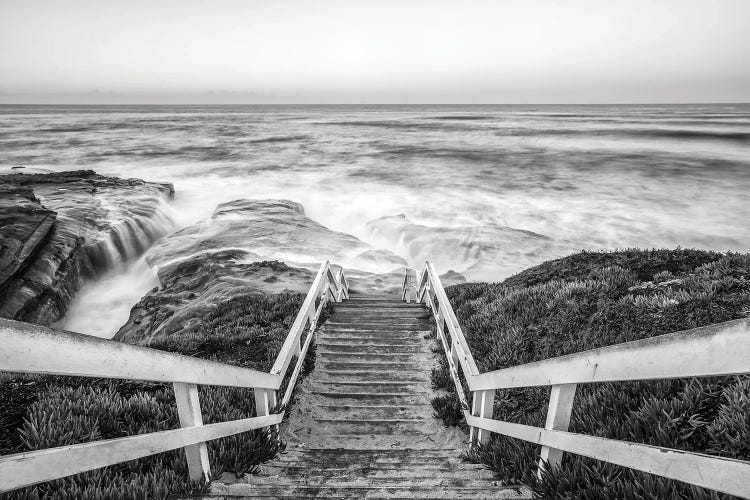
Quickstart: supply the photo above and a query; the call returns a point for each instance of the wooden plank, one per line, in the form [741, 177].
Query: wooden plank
[288, 349]
[189, 411]
[27, 348]
[25, 469]
[720, 349]
[716, 473]
[558, 419]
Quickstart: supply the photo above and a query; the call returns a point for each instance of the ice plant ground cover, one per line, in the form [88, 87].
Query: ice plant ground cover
[48, 411]
[594, 299]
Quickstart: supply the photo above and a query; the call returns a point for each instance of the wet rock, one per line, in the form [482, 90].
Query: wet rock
[480, 253]
[247, 246]
[59, 229]
[24, 227]
[274, 230]
[452, 278]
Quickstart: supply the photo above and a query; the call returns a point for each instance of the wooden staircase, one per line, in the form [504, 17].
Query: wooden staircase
[362, 425]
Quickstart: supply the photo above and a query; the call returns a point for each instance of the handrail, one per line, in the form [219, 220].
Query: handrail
[290, 348]
[716, 350]
[26, 348]
[26, 469]
[336, 288]
[446, 311]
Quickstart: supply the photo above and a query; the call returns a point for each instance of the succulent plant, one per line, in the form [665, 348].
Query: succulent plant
[594, 299]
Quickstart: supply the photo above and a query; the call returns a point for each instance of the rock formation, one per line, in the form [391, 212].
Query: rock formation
[273, 229]
[58, 229]
[238, 251]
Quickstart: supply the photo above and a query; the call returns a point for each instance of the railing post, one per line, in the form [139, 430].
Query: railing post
[408, 285]
[189, 410]
[265, 399]
[344, 285]
[340, 286]
[558, 418]
[481, 406]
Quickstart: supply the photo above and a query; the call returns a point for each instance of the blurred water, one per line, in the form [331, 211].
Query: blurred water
[102, 306]
[590, 176]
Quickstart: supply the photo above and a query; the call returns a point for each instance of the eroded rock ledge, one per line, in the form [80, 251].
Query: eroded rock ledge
[238, 251]
[59, 229]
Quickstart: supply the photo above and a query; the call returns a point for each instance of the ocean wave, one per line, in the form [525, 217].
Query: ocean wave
[278, 138]
[467, 154]
[395, 124]
[69, 128]
[464, 117]
[198, 153]
[624, 132]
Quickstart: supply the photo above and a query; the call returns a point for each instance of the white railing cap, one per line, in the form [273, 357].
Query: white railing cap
[719, 349]
[27, 348]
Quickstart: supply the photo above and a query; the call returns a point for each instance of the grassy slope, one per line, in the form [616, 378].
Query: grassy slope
[54, 411]
[589, 300]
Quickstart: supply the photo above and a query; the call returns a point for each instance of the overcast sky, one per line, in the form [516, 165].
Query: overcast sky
[501, 51]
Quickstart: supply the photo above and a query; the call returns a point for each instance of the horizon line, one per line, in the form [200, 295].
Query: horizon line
[615, 103]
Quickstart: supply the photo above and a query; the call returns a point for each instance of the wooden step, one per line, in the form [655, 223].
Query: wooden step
[361, 411]
[341, 332]
[330, 375]
[370, 387]
[385, 366]
[340, 346]
[370, 398]
[334, 356]
[364, 491]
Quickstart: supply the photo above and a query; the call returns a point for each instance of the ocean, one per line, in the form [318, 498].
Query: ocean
[584, 177]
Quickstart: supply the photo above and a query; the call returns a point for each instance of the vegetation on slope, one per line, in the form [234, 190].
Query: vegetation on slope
[55, 411]
[589, 300]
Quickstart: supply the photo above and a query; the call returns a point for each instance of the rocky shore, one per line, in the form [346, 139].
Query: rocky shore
[57, 230]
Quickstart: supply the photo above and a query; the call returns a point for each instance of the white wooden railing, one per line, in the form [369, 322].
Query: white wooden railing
[26, 348]
[717, 350]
